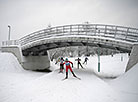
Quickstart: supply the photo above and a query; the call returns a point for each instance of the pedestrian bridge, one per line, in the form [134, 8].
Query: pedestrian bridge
[115, 37]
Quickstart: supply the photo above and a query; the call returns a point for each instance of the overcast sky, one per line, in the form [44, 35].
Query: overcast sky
[27, 16]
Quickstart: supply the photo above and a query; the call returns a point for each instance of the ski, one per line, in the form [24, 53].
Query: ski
[60, 72]
[74, 76]
[77, 77]
[64, 79]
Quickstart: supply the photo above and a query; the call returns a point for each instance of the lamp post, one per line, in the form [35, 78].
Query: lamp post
[9, 32]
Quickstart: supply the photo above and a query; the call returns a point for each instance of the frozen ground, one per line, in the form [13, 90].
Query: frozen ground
[19, 85]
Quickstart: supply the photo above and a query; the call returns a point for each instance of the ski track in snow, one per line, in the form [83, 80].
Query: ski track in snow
[19, 85]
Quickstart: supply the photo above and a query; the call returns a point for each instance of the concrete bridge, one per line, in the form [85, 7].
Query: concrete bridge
[31, 50]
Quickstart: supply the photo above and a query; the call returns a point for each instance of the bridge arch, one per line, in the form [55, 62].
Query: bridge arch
[100, 35]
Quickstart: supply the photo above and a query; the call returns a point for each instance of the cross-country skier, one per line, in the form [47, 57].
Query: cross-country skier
[67, 64]
[79, 62]
[58, 60]
[61, 65]
[85, 61]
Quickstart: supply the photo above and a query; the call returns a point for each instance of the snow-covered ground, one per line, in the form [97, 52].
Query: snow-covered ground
[127, 85]
[19, 85]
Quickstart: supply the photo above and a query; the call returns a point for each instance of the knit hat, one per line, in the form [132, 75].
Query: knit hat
[66, 59]
[61, 58]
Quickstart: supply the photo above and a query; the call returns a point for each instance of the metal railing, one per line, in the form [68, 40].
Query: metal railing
[100, 30]
[10, 43]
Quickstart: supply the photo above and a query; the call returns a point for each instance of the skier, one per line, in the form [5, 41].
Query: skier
[61, 65]
[67, 63]
[85, 61]
[79, 63]
[58, 60]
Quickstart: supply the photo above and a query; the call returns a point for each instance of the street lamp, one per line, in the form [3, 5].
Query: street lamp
[9, 32]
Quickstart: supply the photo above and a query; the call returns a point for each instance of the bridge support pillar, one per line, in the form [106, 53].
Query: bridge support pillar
[36, 62]
[133, 57]
[29, 62]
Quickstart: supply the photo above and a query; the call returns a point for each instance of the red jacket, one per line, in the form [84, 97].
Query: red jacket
[67, 63]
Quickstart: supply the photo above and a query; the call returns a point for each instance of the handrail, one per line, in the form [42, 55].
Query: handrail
[10, 43]
[110, 31]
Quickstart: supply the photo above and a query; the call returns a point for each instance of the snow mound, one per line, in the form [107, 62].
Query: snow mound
[128, 82]
[9, 63]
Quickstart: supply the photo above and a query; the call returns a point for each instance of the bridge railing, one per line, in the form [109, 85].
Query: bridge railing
[110, 31]
[10, 43]
[100, 30]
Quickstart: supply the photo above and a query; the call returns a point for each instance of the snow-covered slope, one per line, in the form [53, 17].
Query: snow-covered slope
[9, 63]
[127, 85]
[19, 85]
[129, 81]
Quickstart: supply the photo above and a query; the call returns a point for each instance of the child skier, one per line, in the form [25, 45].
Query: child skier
[67, 63]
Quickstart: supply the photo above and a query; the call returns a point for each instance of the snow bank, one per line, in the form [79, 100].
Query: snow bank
[9, 63]
[129, 81]
[12, 77]
[127, 85]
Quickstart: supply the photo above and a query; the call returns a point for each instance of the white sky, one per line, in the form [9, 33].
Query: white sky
[27, 16]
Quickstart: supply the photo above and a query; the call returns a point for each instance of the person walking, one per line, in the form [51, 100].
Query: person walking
[67, 64]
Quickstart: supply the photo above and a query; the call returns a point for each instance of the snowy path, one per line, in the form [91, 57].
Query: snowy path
[18, 85]
[50, 88]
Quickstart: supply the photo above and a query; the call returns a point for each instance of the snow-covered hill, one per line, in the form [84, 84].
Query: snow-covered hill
[19, 85]
[127, 85]
[9, 63]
